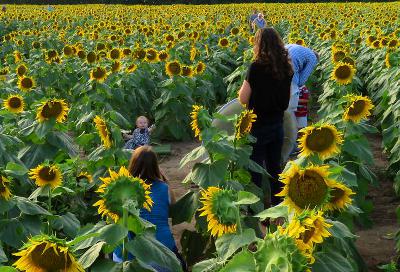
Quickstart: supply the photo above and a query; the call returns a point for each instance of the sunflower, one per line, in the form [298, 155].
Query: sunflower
[46, 253]
[127, 52]
[115, 54]
[68, 51]
[116, 66]
[84, 175]
[195, 124]
[393, 43]
[14, 103]
[308, 229]
[300, 42]
[52, 108]
[140, 54]
[223, 42]
[358, 108]
[21, 70]
[343, 73]
[99, 74]
[235, 31]
[173, 68]
[151, 55]
[244, 123]
[51, 54]
[338, 55]
[81, 54]
[200, 68]
[5, 192]
[45, 174]
[117, 189]
[26, 83]
[219, 209]
[376, 44]
[193, 53]
[340, 196]
[103, 131]
[320, 139]
[17, 56]
[306, 188]
[131, 68]
[163, 55]
[187, 71]
[100, 46]
[91, 57]
[349, 60]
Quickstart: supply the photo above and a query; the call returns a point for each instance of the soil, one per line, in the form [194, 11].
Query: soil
[376, 244]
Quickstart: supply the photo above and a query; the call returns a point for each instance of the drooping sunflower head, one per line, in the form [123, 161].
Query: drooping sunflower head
[173, 68]
[349, 60]
[187, 71]
[116, 66]
[52, 108]
[5, 192]
[46, 174]
[358, 108]
[219, 209]
[200, 120]
[151, 55]
[98, 74]
[91, 57]
[338, 55]
[119, 188]
[306, 188]
[47, 253]
[323, 140]
[14, 103]
[51, 54]
[140, 53]
[163, 55]
[84, 176]
[340, 196]
[26, 83]
[68, 51]
[343, 73]
[223, 42]
[103, 131]
[131, 68]
[244, 123]
[21, 70]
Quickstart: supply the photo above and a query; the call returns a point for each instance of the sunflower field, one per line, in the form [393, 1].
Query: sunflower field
[72, 78]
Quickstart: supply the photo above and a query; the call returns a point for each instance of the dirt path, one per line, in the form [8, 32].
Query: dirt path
[376, 244]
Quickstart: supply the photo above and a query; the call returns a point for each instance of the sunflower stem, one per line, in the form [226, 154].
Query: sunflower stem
[125, 241]
[49, 218]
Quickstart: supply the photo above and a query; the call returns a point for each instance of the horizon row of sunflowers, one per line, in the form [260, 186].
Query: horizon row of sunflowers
[74, 77]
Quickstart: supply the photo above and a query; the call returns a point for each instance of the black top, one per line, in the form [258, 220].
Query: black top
[269, 97]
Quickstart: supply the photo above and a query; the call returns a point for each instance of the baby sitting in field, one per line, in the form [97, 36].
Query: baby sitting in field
[140, 135]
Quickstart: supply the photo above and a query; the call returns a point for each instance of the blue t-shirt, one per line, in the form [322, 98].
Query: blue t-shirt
[158, 216]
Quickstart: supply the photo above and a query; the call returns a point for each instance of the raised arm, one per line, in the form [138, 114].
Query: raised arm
[310, 63]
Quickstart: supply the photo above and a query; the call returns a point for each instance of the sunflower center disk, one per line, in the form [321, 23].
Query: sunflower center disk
[308, 234]
[27, 83]
[336, 194]
[308, 190]
[15, 102]
[52, 109]
[47, 174]
[51, 260]
[320, 140]
[343, 72]
[357, 108]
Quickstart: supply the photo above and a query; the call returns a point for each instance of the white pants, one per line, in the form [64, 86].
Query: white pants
[301, 122]
[294, 97]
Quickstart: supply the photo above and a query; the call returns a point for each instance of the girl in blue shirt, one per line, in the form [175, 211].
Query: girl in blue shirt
[144, 164]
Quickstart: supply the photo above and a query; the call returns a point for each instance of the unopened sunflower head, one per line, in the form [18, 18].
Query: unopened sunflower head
[47, 253]
[320, 139]
[244, 123]
[306, 188]
[103, 131]
[218, 207]
[358, 108]
[120, 188]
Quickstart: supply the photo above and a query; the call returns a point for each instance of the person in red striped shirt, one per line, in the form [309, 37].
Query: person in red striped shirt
[302, 109]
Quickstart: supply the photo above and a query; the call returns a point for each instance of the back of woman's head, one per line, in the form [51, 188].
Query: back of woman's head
[144, 164]
[270, 50]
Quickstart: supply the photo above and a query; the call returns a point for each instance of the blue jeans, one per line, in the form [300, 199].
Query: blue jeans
[267, 153]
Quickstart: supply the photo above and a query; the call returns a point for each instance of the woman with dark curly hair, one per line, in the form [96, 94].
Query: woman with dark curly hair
[266, 91]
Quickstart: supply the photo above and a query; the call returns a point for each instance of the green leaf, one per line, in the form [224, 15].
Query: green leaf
[28, 207]
[246, 198]
[106, 266]
[44, 127]
[61, 190]
[340, 230]
[69, 223]
[113, 234]
[3, 256]
[138, 225]
[243, 261]
[193, 155]
[207, 265]
[273, 212]
[8, 269]
[90, 256]
[331, 261]
[228, 244]
[150, 251]
[16, 169]
[183, 210]
[5, 205]
[206, 175]
[39, 191]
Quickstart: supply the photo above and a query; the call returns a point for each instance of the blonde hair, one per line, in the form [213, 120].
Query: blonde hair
[142, 117]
